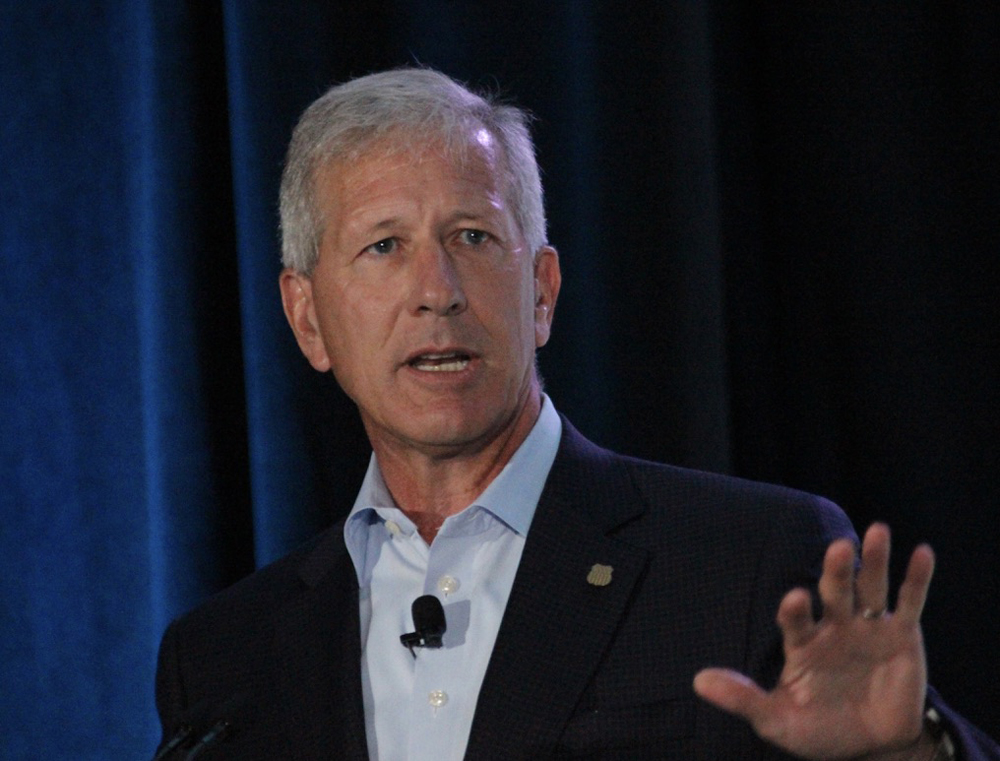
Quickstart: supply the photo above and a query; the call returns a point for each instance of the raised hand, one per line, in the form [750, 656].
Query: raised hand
[854, 682]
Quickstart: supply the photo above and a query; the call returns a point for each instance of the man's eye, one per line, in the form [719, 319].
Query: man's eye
[473, 237]
[382, 247]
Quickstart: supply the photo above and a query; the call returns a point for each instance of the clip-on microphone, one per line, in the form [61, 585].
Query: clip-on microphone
[428, 620]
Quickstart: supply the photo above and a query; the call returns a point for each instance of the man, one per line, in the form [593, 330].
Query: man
[583, 592]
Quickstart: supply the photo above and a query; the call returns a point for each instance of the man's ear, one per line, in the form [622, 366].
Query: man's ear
[548, 278]
[300, 310]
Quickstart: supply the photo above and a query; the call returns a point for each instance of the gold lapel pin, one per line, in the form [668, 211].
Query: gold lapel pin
[600, 575]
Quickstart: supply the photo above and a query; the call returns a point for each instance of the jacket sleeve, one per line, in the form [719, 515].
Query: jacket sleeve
[971, 744]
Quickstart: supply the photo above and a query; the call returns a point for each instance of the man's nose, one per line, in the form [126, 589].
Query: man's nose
[437, 284]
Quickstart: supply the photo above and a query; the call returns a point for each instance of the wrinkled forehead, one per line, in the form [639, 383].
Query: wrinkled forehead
[472, 144]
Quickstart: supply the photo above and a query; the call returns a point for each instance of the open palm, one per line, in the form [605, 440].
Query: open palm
[854, 682]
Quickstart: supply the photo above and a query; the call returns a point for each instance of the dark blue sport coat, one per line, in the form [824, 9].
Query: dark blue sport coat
[700, 563]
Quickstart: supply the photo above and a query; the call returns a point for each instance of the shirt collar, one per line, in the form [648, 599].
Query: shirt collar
[511, 497]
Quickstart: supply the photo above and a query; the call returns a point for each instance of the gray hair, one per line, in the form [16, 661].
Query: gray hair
[414, 105]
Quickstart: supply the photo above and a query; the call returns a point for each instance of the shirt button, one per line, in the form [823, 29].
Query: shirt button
[437, 698]
[393, 528]
[448, 585]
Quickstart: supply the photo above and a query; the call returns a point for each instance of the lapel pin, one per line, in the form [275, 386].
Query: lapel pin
[600, 575]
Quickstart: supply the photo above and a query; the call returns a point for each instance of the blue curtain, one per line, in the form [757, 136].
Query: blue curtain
[779, 233]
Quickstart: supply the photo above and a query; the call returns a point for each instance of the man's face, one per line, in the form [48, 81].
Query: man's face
[425, 302]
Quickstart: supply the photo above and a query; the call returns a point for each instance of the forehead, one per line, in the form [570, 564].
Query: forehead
[418, 166]
[454, 140]
[471, 148]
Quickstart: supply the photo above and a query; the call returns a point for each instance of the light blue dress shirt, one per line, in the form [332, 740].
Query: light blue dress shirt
[421, 708]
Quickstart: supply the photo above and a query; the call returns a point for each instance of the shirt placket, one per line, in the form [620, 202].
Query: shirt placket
[441, 697]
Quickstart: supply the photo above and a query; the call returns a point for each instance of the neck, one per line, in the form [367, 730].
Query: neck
[430, 486]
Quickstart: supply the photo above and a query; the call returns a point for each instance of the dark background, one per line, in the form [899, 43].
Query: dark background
[779, 235]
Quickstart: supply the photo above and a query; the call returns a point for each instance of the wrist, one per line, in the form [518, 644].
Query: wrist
[945, 748]
[924, 748]
[933, 744]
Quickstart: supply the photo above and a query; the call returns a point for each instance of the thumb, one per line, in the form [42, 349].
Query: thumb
[731, 691]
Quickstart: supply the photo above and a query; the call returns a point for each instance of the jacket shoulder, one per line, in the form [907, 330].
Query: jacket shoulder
[251, 603]
[683, 499]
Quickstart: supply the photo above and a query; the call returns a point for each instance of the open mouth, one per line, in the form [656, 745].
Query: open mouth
[448, 362]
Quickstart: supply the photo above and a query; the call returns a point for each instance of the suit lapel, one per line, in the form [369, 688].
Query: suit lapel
[557, 624]
[318, 657]
[554, 631]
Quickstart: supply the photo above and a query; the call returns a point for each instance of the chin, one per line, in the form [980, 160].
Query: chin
[453, 432]
[455, 429]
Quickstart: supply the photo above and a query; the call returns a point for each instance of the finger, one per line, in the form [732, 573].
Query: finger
[795, 619]
[872, 583]
[731, 691]
[836, 585]
[913, 592]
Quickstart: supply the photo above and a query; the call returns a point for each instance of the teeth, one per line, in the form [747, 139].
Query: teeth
[446, 367]
[441, 363]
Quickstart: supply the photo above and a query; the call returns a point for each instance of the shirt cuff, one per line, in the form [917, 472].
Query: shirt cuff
[945, 746]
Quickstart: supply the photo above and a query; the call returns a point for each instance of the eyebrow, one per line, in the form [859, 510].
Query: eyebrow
[485, 215]
[474, 216]
[384, 224]
[366, 231]
[456, 216]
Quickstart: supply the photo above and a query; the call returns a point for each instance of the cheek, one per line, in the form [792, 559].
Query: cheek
[362, 326]
[353, 357]
[339, 322]
[509, 291]
[506, 311]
